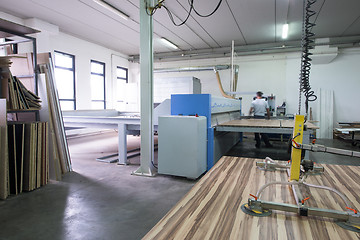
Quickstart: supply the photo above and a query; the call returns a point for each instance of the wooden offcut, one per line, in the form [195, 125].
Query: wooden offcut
[212, 208]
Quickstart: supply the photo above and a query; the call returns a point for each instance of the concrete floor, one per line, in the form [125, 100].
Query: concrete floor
[104, 201]
[95, 201]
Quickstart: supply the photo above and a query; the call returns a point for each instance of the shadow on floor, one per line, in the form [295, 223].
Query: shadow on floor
[247, 148]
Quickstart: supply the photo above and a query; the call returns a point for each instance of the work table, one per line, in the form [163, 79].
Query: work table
[212, 208]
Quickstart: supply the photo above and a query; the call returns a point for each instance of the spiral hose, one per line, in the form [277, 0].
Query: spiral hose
[307, 44]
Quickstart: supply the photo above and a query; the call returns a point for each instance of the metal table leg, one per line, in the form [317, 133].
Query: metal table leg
[122, 146]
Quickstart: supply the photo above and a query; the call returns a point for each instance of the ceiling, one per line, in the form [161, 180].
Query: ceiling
[250, 23]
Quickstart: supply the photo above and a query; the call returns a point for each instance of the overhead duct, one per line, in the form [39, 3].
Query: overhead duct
[220, 85]
[191, 69]
[323, 54]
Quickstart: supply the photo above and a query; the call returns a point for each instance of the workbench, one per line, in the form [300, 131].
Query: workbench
[351, 131]
[212, 208]
[281, 126]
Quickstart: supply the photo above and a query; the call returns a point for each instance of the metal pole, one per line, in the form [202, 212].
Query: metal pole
[146, 92]
[35, 66]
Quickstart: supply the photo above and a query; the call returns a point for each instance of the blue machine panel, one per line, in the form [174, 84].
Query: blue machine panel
[192, 104]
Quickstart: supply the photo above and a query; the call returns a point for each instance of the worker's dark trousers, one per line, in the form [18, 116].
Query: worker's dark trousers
[264, 136]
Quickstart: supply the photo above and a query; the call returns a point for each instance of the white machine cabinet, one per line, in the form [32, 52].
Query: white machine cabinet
[182, 146]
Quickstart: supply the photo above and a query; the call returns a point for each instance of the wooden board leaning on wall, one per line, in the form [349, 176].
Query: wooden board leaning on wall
[4, 174]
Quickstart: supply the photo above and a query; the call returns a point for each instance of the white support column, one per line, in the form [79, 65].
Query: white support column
[146, 92]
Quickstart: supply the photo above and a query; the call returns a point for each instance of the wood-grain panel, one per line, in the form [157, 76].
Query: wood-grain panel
[211, 209]
[285, 123]
[273, 123]
[264, 123]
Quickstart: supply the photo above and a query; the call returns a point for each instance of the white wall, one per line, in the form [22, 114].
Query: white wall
[278, 74]
[265, 73]
[51, 39]
[84, 52]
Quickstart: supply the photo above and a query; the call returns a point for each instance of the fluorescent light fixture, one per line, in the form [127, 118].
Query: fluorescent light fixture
[112, 9]
[168, 43]
[285, 31]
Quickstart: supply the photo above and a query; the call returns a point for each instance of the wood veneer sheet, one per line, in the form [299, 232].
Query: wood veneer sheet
[212, 208]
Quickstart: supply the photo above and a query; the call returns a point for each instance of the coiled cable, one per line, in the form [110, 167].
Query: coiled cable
[307, 44]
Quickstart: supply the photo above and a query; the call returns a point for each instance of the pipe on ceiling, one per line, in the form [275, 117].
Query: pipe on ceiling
[191, 69]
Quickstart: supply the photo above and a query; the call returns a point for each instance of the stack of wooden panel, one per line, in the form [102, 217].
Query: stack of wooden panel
[28, 166]
[20, 97]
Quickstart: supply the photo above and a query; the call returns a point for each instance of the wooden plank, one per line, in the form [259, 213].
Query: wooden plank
[285, 123]
[19, 147]
[264, 123]
[211, 209]
[27, 158]
[4, 158]
[272, 123]
[33, 155]
[44, 155]
[38, 154]
[12, 160]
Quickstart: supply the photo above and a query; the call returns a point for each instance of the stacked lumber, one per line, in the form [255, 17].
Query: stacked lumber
[61, 162]
[31, 151]
[28, 156]
[20, 97]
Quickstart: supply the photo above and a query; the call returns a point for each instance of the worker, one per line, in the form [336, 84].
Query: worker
[259, 107]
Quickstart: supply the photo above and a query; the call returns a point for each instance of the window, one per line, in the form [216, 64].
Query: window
[97, 82]
[65, 80]
[121, 80]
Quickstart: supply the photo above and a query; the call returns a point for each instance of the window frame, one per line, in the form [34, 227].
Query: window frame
[104, 78]
[122, 79]
[69, 69]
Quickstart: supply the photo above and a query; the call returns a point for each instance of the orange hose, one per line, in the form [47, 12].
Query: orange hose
[352, 210]
[254, 196]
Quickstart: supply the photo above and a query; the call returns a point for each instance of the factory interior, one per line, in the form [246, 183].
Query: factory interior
[158, 119]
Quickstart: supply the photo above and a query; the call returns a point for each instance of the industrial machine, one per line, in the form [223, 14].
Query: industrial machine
[214, 110]
[183, 146]
[299, 169]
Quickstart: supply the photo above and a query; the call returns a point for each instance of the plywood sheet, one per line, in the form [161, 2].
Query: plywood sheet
[290, 124]
[19, 147]
[4, 160]
[272, 123]
[264, 123]
[212, 208]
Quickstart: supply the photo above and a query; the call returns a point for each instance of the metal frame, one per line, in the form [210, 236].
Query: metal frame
[350, 219]
[70, 69]
[102, 75]
[124, 126]
[120, 78]
[28, 38]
